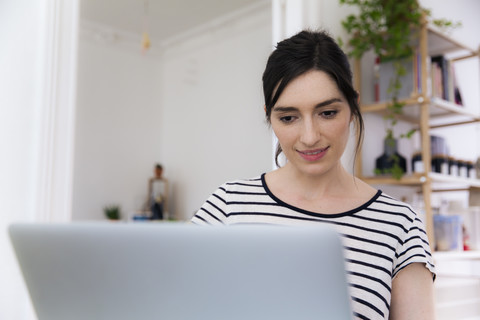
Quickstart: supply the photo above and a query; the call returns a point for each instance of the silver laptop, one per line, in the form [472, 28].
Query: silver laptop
[182, 272]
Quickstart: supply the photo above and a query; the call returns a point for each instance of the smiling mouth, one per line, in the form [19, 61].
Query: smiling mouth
[313, 155]
[313, 152]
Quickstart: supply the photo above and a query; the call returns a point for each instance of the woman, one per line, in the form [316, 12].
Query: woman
[310, 104]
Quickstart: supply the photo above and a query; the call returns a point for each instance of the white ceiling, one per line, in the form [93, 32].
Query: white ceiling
[166, 18]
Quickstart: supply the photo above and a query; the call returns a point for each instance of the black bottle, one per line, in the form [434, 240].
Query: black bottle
[390, 156]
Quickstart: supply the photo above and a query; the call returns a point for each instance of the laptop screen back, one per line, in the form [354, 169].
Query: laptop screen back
[178, 271]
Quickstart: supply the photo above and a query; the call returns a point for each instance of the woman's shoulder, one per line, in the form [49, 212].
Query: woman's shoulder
[244, 183]
[392, 204]
[391, 200]
[216, 208]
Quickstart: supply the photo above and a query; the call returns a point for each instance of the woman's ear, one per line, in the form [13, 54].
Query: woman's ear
[265, 108]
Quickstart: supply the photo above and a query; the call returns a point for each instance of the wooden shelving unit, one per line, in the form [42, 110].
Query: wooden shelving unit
[425, 113]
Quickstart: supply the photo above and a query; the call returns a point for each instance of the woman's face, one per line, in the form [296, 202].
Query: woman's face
[311, 120]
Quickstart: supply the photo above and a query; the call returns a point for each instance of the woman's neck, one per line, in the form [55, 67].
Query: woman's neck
[336, 181]
[337, 191]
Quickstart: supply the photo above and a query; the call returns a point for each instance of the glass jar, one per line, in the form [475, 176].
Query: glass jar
[462, 169]
[452, 166]
[417, 163]
[471, 171]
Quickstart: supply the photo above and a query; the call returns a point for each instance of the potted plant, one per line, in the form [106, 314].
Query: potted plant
[112, 212]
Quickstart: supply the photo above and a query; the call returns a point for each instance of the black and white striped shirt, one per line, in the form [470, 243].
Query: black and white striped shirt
[381, 237]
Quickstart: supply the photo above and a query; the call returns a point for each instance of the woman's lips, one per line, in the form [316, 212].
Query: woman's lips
[313, 155]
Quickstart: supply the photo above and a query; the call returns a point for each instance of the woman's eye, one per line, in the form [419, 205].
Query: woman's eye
[287, 119]
[329, 114]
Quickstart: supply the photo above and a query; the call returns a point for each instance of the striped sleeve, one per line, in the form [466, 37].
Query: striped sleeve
[214, 210]
[414, 247]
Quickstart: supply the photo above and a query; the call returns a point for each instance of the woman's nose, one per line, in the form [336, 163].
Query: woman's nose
[310, 134]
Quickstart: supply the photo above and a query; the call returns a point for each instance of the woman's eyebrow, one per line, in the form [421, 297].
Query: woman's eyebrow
[328, 102]
[284, 109]
[319, 105]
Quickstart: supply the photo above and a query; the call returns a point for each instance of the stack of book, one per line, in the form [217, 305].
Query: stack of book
[441, 82]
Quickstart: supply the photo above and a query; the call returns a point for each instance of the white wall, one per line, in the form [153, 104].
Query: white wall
[197, 108]
[465, 11]
[118, 128]
[37, 81]
[213, 127]
[20, 68]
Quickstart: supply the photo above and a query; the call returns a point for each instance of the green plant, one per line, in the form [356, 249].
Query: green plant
[382, 25]
[112, 212]
[387, 27]
[396, 171]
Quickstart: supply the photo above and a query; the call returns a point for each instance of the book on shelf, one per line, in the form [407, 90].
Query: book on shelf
[444, 84]
[457, 96]
[440, 76]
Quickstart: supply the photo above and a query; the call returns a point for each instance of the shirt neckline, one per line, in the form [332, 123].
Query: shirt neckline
[318, 214]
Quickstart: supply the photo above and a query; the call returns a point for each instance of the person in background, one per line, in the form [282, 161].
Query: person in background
[310, 104]
[157, 194]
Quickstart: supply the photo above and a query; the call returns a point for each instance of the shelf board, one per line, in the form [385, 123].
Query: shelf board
[456, 255]
[452, 108]
[447, 108]
[382, 106]
[410, 113]
[442, 108]
[406, 180]
[418, 179]
[438, 109]
[443, 178]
